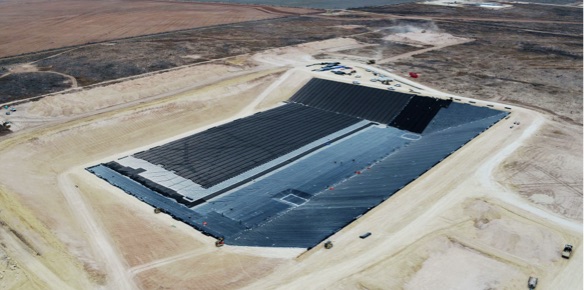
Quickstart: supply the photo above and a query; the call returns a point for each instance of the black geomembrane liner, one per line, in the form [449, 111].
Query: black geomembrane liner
[353, 100]
[222, 152]
[418, 113]
[283, 216]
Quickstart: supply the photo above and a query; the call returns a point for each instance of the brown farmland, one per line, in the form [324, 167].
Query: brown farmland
[39, 25]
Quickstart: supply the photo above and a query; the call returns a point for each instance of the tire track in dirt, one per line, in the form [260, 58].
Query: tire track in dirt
[118, 277]
[165, 261]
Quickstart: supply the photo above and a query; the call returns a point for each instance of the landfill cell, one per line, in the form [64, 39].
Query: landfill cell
[314, 194]
[418, 113]
[225, 151]
[352, 100]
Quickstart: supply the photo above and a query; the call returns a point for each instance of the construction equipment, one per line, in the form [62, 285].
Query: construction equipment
[365, 235]
[325, 63]
[532, 282]
[567, 252]
[334, 67]
[328, 245]
[220, 242]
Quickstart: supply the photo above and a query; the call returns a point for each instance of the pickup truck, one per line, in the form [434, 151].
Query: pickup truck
[567, 251]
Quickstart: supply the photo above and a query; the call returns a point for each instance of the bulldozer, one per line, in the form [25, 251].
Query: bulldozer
[328, 245]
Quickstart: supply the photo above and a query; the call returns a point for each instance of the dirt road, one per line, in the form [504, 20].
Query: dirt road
[98, 236]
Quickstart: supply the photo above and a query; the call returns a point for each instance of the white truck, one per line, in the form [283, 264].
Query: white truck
[532, 282]
[567, 251]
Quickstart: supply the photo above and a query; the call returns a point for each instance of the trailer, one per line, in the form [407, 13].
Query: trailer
[324, 63]
[327, 68]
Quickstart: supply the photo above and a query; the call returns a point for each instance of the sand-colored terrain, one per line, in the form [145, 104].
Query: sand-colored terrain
[29, 26]
[472, 222]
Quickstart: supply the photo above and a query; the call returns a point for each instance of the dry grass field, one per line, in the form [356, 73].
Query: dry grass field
[29, 26]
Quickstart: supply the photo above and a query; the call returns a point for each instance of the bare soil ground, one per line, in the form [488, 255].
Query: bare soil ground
[494, 213]
[529, 55]
[136, 56]
[511, 64]
[199, 109]
[379, 47]
[518, 13]
[126, 58]
[545, 173]
[40, 24]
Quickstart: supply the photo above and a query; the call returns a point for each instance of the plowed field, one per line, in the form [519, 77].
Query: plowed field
[39, 25]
